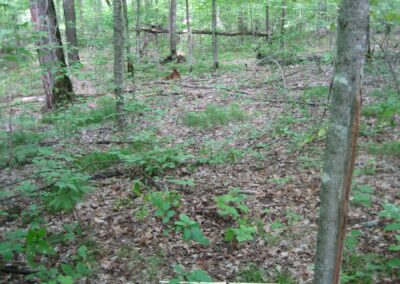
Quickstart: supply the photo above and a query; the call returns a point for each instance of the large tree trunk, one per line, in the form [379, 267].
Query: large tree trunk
[70, 27]
[190, 36]
[283, 23]
[172, 28]
[128, 43]
[57, 85]
[118, 60]
[214, 35]
[342, 138]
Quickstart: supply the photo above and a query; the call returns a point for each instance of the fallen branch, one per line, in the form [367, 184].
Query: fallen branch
[202, 32]
[279, 66]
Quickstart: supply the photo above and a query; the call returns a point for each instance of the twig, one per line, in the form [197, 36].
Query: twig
[279, 66]
[16, 270]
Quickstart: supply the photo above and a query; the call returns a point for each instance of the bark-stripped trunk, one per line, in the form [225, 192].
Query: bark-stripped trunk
[138, 29]
[118, 60]
[214, 35]
[57, 85]
[127, 39]
[172, 28]
[190, 36]
[342, 138]
[283, 23]
[70, 27]
[267, 24]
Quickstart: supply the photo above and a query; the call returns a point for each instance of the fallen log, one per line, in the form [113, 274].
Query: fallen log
[201, 32]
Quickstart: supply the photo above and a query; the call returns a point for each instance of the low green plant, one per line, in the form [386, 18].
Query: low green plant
[386, 109]
[97, 160]
[251, 274]
[242, 233]
[388, 149]
[197, 275]
[190, 230]
[392, 212]
[214, 115]
[232, 204]
[317, 92]
[362, 195]
[165, 203]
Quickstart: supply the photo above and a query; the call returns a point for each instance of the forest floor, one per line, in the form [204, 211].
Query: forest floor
[272, 151]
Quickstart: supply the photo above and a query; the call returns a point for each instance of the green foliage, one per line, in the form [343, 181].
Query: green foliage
[182, 275]
[232, 204]
[97, 160]
[362, 195]
[389, 148]
[214, 115]
[190, 230]
[165, 203]
[251, 274]
[317, 92]
[386, 109]
[243, 233]
[392, 212]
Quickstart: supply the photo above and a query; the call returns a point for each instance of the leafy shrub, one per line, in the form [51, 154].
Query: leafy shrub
[386, 109]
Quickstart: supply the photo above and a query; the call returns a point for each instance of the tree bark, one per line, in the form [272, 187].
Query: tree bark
[190, 37]
[128, 43]
[214, 35]
[118, 60]
[57, 85]
[283, 23]
[70, 27]
[172, 28]
[341, 139]
[267, 24]
[138, 12]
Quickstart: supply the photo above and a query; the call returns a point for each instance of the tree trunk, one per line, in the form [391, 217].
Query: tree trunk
[267, 24]
[128, 43]
[118, 60]
[283, 22]
[172, 28]
[190, 36]
[342, 138]
[138, 28]
[57, 85]
[70, 27]
[369, 50]
[214, 35]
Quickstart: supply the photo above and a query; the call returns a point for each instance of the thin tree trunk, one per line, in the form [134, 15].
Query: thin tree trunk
[267, 24]
[138, 12]
[342, 139]
[172, 28]
[118, 60]
[128, 43]
[369, 51]
[283, 23]
[190, 36]
[70, 27]
[57, 85]
[214, 35]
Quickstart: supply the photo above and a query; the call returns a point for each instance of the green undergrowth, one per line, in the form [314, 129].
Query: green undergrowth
[391, 148]
[214, 115]
[385, 108]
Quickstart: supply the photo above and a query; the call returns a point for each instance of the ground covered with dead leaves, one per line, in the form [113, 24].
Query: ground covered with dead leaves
[273, 154]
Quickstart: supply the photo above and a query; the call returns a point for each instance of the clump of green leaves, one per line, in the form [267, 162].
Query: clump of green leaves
[362, 195]
[182, 275]
[214, 115]
[388, 149]
[165, 203]
[386, 109]
[190, 230]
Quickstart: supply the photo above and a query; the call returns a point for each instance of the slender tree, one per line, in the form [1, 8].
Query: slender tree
[172, 28]
[57, 85]
[342, 138]
[267, 23]
[118, 60]
[190, 36]
[283, 23]
[138, 13]
[214, 35]
[70, 27]
[127, 39]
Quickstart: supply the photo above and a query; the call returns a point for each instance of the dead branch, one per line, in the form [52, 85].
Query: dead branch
[202, 32]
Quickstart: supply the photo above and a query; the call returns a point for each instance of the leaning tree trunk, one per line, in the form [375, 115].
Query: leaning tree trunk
[70, 27]
[118, 60]
[128, 43]
[190, 36]
[214, 35]
[342, 138]
[283, 23]
[57, 85]
[172, 28]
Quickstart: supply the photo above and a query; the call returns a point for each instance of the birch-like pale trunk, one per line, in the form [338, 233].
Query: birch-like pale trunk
[118, 60]
[341, 139]
[138, 12]
[57, 85]
[214, 35]
[172, 28]
[127, 39]
[70, 31]
[190, 37]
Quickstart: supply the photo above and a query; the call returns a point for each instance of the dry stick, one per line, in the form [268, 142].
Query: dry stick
[279, 66]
